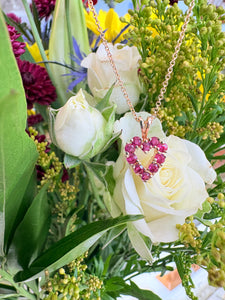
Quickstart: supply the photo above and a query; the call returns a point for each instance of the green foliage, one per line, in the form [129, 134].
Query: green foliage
[193, 104]
[31, 233]
[183, 263]
[17, 151]
[70, 247]
[116, 286]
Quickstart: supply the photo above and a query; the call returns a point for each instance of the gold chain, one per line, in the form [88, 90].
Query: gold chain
[144, 124]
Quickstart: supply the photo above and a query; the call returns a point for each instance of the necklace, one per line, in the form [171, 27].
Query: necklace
[158, 148]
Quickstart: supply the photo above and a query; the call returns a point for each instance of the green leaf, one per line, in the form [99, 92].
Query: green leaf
[114, 283]
[134, 291]
[36, 17]
[111, 141]
[180, 265]
[71, 246]
[105, 101]
[17, 151]
[109, 179]
[117, 284]
[209, 116]
[71, 161]
[98, 169]
[206, 208]
[194, 102]
[140, 243]
[32, 231]
[215, 147]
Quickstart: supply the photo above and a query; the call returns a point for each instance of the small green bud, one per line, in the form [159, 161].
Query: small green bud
[61, 271]
[130, 12]
[203, 30]
[220, 196]
[210, 200]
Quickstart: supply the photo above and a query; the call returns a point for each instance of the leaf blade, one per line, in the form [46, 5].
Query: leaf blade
[17, 151]
[71, 247]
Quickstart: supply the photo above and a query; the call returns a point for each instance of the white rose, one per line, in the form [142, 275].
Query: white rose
[175, 192]
[80, 128]
[101, 77]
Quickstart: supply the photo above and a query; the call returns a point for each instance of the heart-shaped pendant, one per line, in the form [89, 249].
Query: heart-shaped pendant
[136, 152]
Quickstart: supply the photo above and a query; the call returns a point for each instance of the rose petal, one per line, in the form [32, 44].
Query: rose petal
[164, 229]
[200, 163]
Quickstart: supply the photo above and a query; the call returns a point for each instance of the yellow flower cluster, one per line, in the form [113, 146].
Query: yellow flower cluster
[52, 169]
[196, 77]
[66, 285]
[189, 235]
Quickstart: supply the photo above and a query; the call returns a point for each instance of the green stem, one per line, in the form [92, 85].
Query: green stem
[69, 31]
[19, 289]
[169, 250]
[37, 38]
[93, 187]
[35, 32]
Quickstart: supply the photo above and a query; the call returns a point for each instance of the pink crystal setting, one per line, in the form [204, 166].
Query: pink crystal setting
[146, 145]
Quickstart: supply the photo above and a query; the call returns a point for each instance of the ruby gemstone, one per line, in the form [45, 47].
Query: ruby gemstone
[136, 141]
[153, 168]
[145, 176]
[129, 148]
[154, 141]
[132, 159]
[138, 169]
[160, 158]
[146, 146]
[163, 147]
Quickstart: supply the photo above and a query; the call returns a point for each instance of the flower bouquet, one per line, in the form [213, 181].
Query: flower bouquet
[111, 148]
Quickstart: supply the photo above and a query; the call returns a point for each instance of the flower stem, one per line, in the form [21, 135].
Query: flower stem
[37, 39]
[93, 187]
[69, 31]
[6, 276]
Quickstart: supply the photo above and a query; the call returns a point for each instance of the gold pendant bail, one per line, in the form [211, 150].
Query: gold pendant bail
[145, 125]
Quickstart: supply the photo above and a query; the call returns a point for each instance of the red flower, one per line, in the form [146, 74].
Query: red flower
[14, 18]
[37, 84]
[173, 1]
[45, 7]
[65, 175]
[18, 47]
[34, 119]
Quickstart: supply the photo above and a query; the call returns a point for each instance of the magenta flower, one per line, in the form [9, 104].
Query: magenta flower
[45, 8]
[14, 18]
[37, 84]
[18, 47]
[34, 119]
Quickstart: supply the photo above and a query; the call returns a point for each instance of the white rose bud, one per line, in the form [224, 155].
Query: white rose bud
[80, 128]
[101, 77]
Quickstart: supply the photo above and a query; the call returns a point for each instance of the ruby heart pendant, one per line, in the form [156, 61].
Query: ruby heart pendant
[146, 156]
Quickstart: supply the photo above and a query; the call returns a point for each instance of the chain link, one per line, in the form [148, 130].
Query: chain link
[169, 70]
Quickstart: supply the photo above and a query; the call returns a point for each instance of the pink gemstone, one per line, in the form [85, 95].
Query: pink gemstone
[153, 168]
[138, 169]
[160, 158]
[146, 146]
[163, 147]
[145, 176]
[129, 148]
[154, 141]
[132, 158]
[136, 140]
